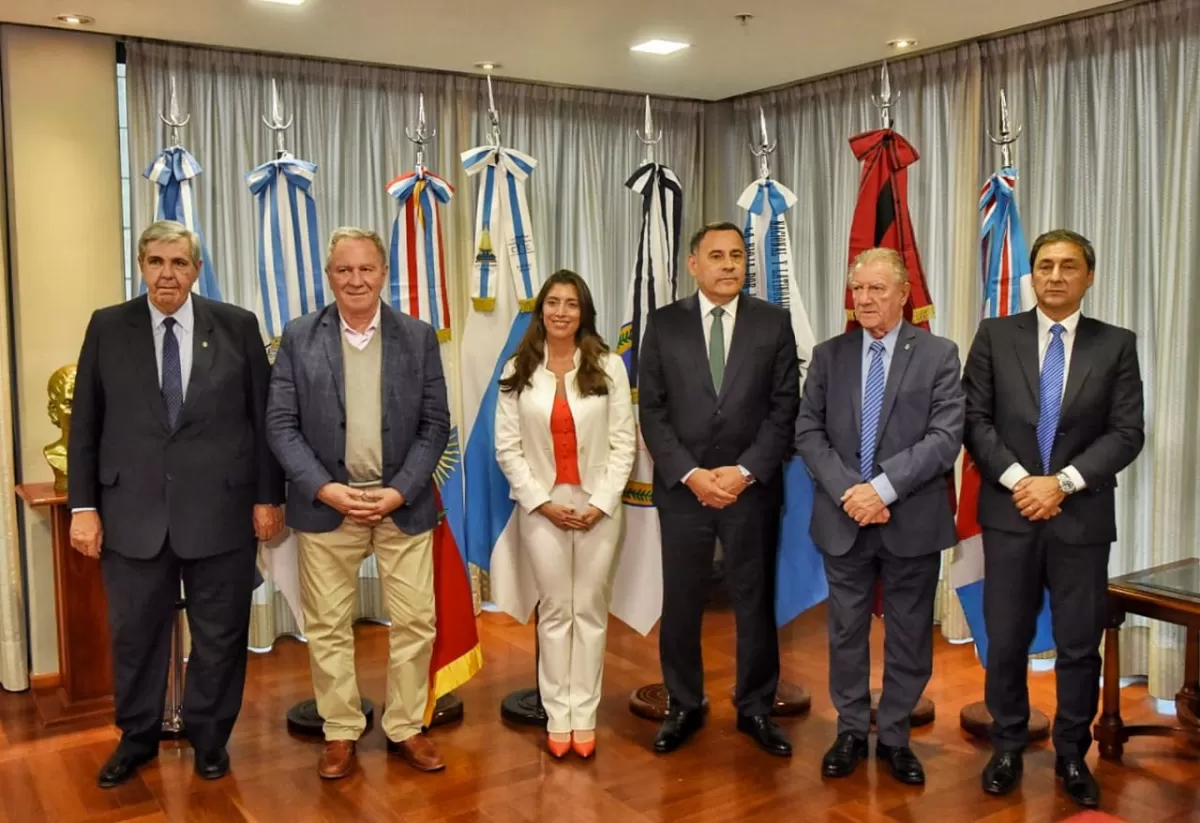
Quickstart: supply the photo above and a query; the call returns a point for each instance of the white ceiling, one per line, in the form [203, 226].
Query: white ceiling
[572, 42]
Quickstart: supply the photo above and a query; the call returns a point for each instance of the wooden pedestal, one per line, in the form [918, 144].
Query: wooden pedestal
[84, 656]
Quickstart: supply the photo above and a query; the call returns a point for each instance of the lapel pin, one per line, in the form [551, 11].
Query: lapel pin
[204, 344]
[907, 346]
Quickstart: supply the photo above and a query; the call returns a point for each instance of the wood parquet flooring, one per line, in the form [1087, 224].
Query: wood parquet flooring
[501, 774]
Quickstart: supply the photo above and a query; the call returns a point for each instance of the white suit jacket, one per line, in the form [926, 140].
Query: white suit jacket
[604, 432]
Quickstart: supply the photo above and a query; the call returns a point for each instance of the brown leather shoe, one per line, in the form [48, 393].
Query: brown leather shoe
[419, 752]
[337, 759]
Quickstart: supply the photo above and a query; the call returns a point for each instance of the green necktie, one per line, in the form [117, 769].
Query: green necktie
[716, 348]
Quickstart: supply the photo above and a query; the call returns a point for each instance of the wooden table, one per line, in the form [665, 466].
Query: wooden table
[84, 687]
[1170, 593]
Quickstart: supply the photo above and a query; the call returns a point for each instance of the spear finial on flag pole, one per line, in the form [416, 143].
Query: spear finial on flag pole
[648, 137]
[172, 118]
[1007, 135]
[493, 116]
[765, 147]
[886, 98]
[418, 135]
[276, 123]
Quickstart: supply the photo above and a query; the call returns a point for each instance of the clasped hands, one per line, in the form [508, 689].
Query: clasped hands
[717, 488]
[1037, 498]
[864, 505]
[363, 506]
[567, 519]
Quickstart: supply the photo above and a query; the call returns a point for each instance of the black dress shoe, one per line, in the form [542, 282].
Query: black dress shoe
[676, 729]
[902, 763]
[1078, 781]
[769, 737]
[212, 764]
[1003, 772]
[844, 756]
[121, 766]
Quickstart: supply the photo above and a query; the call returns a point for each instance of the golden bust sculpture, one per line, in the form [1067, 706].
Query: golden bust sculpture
[61, 389]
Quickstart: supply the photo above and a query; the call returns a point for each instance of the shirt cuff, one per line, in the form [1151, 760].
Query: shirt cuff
[746, 474]
[1076, 478]
[883, 488]
[684, 479]
[1013, 475]
[83, 509]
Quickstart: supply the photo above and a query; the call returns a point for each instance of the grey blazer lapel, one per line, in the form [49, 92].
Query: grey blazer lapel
[849, 363]
[694, 345]
[140, 346]
[1026, 344]
[1081, 363]
[739, 345]
[901, 357]
[331, 341]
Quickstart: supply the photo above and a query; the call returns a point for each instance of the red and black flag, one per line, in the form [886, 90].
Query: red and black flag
[881, 216]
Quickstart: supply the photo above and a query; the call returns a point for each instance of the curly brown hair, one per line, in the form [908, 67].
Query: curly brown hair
[591, 378]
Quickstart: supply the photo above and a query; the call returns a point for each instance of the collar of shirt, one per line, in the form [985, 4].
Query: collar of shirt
[360, 339]
[706, 307]
[184, 315]
[888, 340]
[1045, 323]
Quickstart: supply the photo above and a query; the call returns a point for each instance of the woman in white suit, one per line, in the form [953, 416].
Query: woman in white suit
[565, 440]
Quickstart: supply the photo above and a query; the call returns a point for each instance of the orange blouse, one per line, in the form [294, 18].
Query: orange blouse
[566, 455]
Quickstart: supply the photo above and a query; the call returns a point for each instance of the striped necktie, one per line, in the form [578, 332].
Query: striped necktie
[172, 374]
[872, 405]
[1050, 391]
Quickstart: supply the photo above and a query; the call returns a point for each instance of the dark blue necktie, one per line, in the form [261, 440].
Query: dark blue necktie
[871, 407]
[172, 375]
[1054, 366]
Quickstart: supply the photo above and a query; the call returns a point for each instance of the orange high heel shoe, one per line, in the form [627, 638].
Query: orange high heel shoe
[584, 748]
[558, 748]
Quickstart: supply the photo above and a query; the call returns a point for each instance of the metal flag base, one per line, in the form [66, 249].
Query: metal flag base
[976, 721]
[922, 715]
[172, 724]
[524, 707]
[650, 702]
[304, 720]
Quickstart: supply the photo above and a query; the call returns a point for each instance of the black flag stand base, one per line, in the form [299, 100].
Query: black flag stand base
[650, 702]
[524, 706]
[922, 715]
[172, 724]
[976, 720]
[304, 720]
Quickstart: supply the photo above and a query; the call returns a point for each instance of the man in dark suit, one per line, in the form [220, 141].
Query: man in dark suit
[1054, 412]
[170, 476]
[359, 419]
[718, 392]
[880, 426]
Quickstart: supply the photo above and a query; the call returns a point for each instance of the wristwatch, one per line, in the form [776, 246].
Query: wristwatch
[1065, 484]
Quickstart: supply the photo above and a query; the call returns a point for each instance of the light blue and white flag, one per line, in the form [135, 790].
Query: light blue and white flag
[505, 285]
[637, 584]
[172, 173]
[291, 281]
[800, 575]
[1007, 290]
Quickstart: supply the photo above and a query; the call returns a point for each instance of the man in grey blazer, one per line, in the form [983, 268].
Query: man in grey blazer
[358, 418]
[880, 425]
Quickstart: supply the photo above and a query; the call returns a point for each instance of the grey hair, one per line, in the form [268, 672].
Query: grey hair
[168, 231]
[891, 257]
[355, 233]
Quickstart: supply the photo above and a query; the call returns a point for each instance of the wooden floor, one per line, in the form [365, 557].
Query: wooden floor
[501, 774]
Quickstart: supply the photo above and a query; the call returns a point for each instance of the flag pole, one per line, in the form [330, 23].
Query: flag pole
[975, 719]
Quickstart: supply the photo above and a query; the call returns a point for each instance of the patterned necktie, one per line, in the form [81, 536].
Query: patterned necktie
[716, 348]
[1051, 391]
[872, 404]
[172, 375]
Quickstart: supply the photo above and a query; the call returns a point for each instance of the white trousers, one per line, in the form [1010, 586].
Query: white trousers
[574, 572]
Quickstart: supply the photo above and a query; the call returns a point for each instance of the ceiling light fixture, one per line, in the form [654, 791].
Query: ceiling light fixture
[487, 65]
[659, 47]
[75, 19]
[285, 2]
[902, 44]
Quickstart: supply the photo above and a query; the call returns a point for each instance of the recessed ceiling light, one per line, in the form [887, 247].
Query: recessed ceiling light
[659, 47]
[902, 44]
[487, 66]
[75, 19]
[285, 2]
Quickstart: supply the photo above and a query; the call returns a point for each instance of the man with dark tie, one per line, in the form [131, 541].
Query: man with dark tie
[718, 392]
[170, 477]
[880, 426]
[1054, 413]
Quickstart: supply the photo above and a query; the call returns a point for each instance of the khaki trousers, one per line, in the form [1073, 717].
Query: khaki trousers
[329, 563]
[574, 572]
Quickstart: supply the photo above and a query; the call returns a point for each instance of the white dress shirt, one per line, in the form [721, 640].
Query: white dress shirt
[185, 332]
[1016, 472]
[727, 321]
[360, 339]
